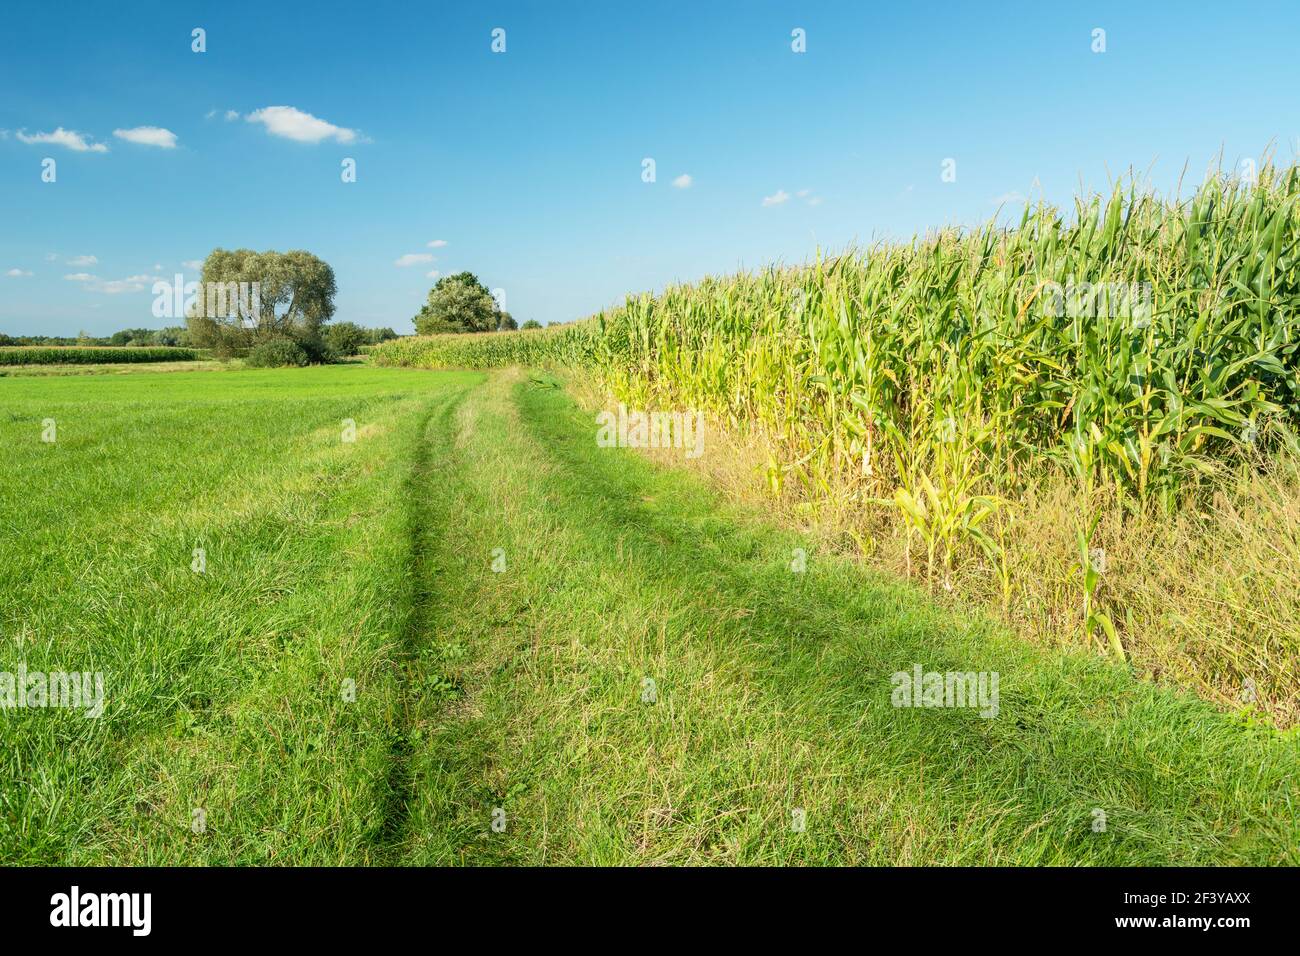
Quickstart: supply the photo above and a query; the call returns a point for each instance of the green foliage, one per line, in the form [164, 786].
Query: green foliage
[531, 324]
[458, 303]
[294, 294]
[345, 338]
[560, 344]
[176, 335]
[131, 336]
[277, 353]
[93, 355]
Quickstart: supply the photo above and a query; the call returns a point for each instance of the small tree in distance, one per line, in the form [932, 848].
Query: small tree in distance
[459, 303]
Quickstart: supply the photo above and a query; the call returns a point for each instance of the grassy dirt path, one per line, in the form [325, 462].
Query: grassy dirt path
[435, 623]
[619, 669]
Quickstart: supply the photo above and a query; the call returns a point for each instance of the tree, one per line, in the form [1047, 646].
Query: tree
[345, 338]
[531, 324]
[458, 303]
[172, 335]
[129, 336]
[249, 297]
[506, 322]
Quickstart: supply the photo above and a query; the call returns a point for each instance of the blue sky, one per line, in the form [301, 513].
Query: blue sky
[528, 163]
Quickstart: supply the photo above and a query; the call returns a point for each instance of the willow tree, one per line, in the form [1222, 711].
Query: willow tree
[245, 297]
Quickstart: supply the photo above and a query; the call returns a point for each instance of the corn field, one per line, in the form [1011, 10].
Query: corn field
[93, 355]
[1138, 344]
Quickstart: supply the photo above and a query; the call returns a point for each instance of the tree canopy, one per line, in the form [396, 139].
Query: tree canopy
[294, 297]
[461, 303]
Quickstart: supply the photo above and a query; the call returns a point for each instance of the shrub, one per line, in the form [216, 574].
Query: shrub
[345, 338]
[277, 353]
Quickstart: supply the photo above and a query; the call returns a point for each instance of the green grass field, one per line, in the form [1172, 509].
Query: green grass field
[561, 654]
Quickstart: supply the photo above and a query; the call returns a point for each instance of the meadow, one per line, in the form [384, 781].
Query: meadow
[356, 615]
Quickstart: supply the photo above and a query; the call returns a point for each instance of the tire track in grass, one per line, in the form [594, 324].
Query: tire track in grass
[433, 457]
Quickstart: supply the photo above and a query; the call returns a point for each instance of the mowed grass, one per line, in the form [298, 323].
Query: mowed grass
[520, 689]
[224, 690]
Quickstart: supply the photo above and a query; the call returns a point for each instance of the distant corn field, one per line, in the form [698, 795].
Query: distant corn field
[93, 355]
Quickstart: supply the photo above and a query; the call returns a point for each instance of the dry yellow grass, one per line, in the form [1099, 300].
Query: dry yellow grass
[1204, 599]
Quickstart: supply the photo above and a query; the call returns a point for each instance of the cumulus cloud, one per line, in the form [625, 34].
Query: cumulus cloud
[776, 198]
[129, 284]
[83, 261]
[17, 274]
[64, 137]
[92, 283]
[437, 243]
[412, 259]
[148, 136]
[683, 181]
[294, 124]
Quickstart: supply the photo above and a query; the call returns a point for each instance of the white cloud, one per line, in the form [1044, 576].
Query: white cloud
[111, 286]
[231, 116]
[83, 261]
[804, 193]
[65, 137]
[296, 125]
[117, 286]
[683, 181]
[412, 259]
[148, 136]
[17, 274]
[776, 198]
[192, 264]
[437, 243]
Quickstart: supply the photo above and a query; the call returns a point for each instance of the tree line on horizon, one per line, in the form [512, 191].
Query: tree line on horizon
[289, 321]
